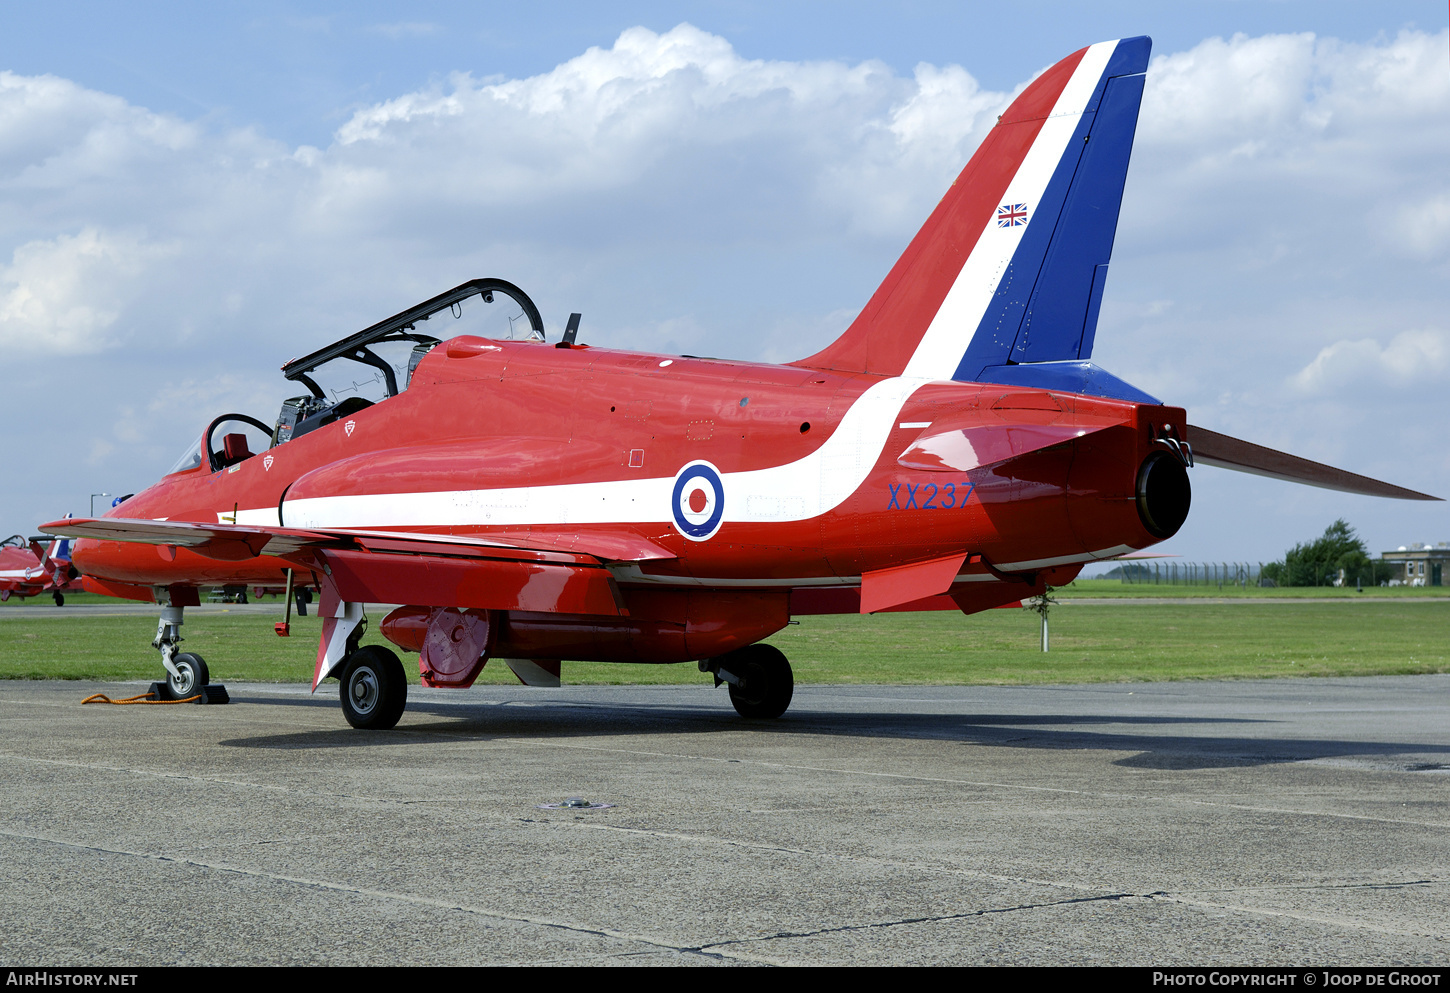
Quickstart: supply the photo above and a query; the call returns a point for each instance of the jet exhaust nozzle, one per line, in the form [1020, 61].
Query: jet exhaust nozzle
[1164, 494]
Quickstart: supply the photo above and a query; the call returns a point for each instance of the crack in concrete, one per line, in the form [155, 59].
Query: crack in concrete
[986, 912]
[1185, 900]
[410, 898]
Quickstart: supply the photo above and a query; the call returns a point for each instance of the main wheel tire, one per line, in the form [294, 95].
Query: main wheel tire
[374, 690]
[767, 683]
[194, 675]
[58, 597]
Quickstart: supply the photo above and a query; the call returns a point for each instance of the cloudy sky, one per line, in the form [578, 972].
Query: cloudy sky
[189, 197]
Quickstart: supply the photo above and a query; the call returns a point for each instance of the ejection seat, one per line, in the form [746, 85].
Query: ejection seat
[234, 450]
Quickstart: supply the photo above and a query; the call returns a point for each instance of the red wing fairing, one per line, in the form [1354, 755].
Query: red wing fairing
[955, 449]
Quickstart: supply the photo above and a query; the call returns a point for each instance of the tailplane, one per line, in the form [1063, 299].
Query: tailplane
[1009, 269]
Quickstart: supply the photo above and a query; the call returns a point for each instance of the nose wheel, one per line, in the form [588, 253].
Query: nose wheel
[374, 690]
[191, 674]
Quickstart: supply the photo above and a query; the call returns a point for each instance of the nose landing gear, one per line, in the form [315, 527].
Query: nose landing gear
[187, 675]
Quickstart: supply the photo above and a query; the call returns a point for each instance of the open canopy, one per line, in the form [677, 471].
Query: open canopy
[362, 347]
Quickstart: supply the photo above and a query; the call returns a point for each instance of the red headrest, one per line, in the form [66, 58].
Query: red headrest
[234, 447]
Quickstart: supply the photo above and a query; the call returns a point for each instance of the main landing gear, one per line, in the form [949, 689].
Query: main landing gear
[760, 679]
[374, 690]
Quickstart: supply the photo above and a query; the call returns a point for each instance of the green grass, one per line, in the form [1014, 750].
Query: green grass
[1106, 643]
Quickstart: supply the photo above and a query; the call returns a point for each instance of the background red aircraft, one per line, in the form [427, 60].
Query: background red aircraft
[32, 566]
[955, 448]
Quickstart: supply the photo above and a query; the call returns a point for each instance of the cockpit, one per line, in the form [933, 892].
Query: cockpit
[369, 367]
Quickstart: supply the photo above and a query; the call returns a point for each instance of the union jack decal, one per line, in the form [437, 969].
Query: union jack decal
[1011, 215]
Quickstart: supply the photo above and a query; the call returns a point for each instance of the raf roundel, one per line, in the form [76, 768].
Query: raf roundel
[697, 501]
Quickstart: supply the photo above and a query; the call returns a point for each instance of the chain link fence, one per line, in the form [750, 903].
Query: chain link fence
[1219, 574]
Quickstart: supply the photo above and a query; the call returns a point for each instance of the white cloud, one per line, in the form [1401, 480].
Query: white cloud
[663, 116]
[1411, 357]
[63, 296]
[1424, 227]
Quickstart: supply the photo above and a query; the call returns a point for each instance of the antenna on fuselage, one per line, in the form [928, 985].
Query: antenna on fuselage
[571, 331]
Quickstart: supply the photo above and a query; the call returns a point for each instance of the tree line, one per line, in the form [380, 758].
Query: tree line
[1318, 562]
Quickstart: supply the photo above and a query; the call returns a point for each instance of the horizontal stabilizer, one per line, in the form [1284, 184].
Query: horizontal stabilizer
[1212, 448]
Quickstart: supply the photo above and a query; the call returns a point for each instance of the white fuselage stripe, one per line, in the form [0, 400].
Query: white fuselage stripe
[796, 491]
[951, 330]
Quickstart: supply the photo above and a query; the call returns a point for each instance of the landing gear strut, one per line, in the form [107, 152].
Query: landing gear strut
[760, 678]
[186, 672]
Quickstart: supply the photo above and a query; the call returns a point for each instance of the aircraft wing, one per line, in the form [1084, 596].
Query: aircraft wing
[226, 541]
[1212, 448]
[514, 571]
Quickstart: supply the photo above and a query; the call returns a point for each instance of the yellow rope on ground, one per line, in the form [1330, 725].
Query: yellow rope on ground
[139, 698]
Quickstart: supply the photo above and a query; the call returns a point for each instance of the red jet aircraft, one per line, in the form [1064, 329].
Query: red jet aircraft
[32, 566]
[955, 448]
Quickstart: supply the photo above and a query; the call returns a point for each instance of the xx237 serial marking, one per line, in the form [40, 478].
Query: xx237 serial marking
[928, 496]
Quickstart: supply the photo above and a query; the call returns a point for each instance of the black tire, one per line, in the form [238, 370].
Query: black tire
[374, 690]
[766, 678]
[58, 597]
[194, 675]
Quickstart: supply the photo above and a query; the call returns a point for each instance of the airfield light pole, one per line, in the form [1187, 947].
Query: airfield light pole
[93, 502]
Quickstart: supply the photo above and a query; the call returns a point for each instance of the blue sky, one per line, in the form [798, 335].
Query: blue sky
[191, 194]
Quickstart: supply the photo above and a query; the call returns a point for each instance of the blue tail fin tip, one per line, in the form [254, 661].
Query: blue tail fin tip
[1046, 304]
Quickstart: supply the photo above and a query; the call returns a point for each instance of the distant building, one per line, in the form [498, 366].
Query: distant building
[1420, 565]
